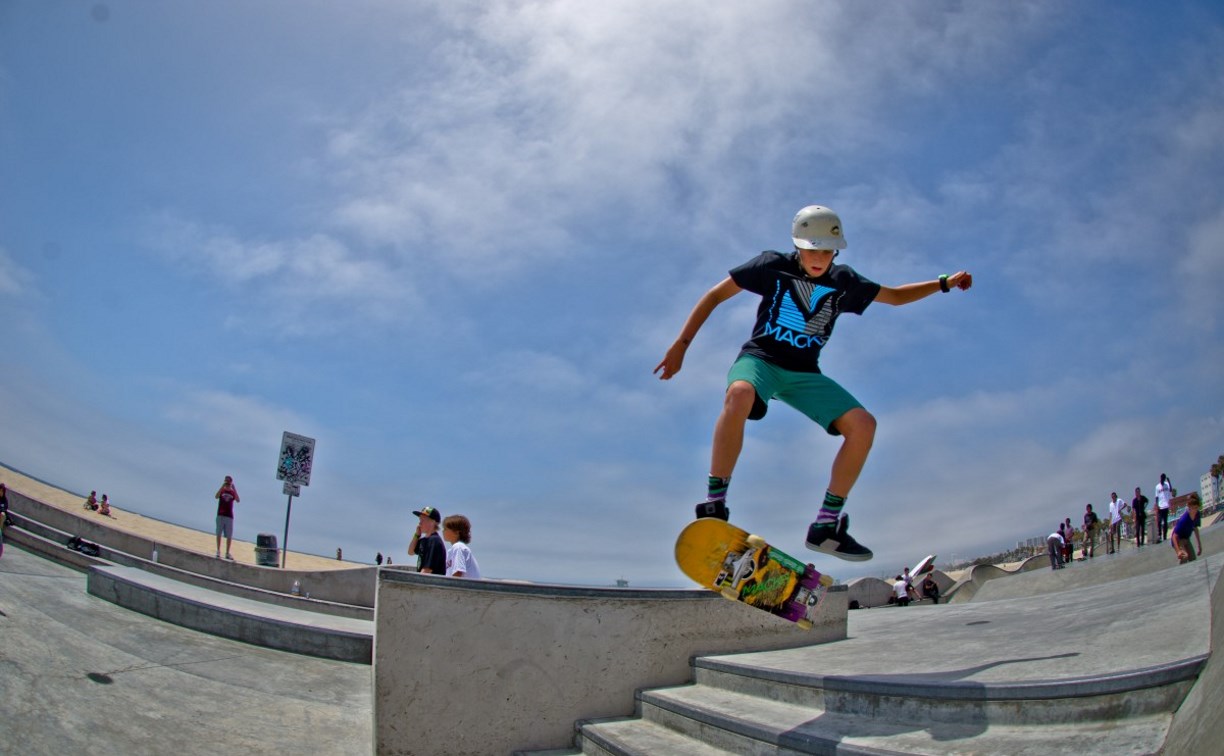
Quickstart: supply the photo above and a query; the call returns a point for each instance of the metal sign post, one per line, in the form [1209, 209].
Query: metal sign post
[292, 489]
[293, 467]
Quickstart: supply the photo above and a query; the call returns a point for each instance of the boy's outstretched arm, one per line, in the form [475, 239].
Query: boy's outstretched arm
[674, 359]
[899, 295]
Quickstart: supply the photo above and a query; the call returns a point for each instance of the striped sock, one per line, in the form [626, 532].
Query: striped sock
[717, 488]
[831, 509]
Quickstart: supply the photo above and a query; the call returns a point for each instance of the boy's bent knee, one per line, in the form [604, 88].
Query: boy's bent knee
[857, 423]
[740, 398]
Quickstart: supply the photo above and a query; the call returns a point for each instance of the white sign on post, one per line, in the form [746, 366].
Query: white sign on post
[296, 459]
[293, 467]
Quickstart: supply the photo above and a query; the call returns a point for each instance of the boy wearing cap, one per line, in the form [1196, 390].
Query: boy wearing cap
[802, 293]
[427, 545]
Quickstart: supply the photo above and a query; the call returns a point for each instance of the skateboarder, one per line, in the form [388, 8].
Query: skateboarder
[802, 293]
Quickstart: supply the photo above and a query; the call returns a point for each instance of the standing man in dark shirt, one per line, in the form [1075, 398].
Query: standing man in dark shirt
[3, 514]
[1139, 505]
[427, 545]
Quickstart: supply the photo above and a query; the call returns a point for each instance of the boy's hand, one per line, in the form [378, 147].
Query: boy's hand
[672, 361]
[961, 280]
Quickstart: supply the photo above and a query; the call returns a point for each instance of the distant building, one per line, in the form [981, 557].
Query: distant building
[1209, 490]
[1176, 505]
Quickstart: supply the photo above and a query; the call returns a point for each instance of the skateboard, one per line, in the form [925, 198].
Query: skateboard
[745, 568]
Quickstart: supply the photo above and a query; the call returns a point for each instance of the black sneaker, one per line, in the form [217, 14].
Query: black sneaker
[832, 538]
[716, 509]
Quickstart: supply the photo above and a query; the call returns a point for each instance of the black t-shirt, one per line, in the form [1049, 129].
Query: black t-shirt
[1139, 504]
[431, 554]
[797, 313]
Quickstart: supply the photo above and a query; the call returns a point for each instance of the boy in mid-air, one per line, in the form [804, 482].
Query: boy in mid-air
[802, 293]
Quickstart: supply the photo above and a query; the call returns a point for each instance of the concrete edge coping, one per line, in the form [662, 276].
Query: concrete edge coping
[112, 556]
[555, 590]
[1144, 678]
[48, 548]
[248, 609]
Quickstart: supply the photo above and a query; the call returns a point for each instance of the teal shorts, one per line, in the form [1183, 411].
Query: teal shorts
[816, 395]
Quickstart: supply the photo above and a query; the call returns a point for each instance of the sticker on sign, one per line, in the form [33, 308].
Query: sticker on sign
[296, 459]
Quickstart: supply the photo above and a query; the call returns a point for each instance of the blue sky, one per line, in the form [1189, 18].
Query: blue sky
[451, 240]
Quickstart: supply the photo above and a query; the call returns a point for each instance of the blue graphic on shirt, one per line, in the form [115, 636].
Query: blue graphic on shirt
[802, 323]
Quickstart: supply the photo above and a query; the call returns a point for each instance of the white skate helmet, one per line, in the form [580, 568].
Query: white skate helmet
[817, 227]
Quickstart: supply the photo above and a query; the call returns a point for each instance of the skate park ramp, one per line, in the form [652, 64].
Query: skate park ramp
[1114, 655]
[81, 675]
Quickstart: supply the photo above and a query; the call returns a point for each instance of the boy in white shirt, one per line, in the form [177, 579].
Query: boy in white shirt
[460, 562]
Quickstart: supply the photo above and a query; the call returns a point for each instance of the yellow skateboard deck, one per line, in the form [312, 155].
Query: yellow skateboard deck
[744, 568]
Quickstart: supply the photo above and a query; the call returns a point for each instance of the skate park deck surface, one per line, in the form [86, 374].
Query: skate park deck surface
[81, 675]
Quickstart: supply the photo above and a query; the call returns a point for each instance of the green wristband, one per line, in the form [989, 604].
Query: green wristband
[943, 283]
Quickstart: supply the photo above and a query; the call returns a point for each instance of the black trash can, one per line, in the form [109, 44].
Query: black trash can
[266, 553]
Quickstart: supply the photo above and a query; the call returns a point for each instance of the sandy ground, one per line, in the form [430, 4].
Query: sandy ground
[157, 530]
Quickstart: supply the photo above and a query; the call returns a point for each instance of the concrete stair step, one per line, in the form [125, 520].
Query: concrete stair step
[743, 723]
[927, 698]
[640, 737]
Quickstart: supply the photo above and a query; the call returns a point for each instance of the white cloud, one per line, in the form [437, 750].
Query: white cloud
[551, 122]
[294, 277]
[1202, 271]
[15, 279]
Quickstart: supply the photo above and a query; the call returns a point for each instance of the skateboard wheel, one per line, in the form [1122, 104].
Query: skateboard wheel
[757, 542]
[826, 580]
[804, 624]
[730, 594]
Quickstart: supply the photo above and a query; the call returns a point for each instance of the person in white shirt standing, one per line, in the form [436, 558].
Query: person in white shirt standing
[1115, 522]
[1163, 495]
[460, 562]
[1054, 545]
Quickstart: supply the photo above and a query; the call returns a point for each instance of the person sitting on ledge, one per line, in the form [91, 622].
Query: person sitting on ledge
[92, 502]
[930, 589]
[104, 506]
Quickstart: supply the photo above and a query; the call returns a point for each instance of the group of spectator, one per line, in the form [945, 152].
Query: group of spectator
[101, 506]
[904, 592]
[1127, 520]
[434, 556]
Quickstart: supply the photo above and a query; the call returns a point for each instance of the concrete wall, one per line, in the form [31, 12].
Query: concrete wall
[480, 667]
[1197, 725]
[355, 586]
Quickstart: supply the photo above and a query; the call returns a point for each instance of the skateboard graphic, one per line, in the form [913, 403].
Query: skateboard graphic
[745, 568]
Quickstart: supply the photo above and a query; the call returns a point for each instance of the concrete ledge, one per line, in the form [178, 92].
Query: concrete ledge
[49, 542]
[458, 662]
[232, 617]
[921, 686]
[354, 586]
[21, 535]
